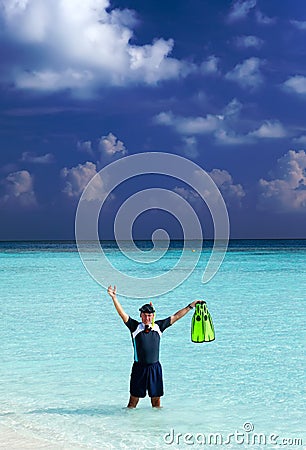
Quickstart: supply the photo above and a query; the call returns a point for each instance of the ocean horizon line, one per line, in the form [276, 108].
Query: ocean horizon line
[156, 240]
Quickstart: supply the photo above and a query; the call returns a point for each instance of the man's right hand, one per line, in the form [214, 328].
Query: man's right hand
[112, 291]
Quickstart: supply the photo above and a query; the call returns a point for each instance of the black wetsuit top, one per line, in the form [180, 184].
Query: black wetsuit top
[146, 344]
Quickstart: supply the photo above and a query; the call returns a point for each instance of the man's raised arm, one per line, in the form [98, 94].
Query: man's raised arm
[182, 312]
[112, 293]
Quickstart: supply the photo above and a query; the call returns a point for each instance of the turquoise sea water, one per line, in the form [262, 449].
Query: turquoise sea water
[66, 355]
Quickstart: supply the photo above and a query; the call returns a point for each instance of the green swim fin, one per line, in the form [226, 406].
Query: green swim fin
[202, 328]
[197, 324]
[209, 330]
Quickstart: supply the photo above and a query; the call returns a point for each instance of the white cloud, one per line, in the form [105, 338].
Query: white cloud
[187, 194]
[111, 145]
[262, 19]
[86, 147]
[218, 125]
[300, 139]
[165, 118]
[247, 74]
[267, 130]
[18, 190]
[79, 45]
[233, 109]
[48, 158]
[189, 125]
[51, 80]
[240, 9]
[107, 145]
[286, 192]
[77, 178]
[296, 84]
[270, 129]
[150, 63]
[299, 24]
[223, 127]
[190, 146]
[248, 42]
[210, 66]
[228, 137]
[230, 191]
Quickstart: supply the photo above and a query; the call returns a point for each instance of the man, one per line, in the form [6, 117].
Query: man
[146, 371]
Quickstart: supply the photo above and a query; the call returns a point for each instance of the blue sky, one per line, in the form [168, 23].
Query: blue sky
[86, 82]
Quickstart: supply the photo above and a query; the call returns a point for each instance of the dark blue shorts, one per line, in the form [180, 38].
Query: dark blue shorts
[146, 378]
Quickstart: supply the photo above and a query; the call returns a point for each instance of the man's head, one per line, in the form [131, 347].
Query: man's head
[147, 313]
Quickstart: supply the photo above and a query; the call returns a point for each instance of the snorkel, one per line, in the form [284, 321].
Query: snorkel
[153, 315]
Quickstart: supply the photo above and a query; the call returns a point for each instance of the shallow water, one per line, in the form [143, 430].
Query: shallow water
[66, 356]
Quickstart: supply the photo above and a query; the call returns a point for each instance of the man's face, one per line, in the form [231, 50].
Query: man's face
[146, 318]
